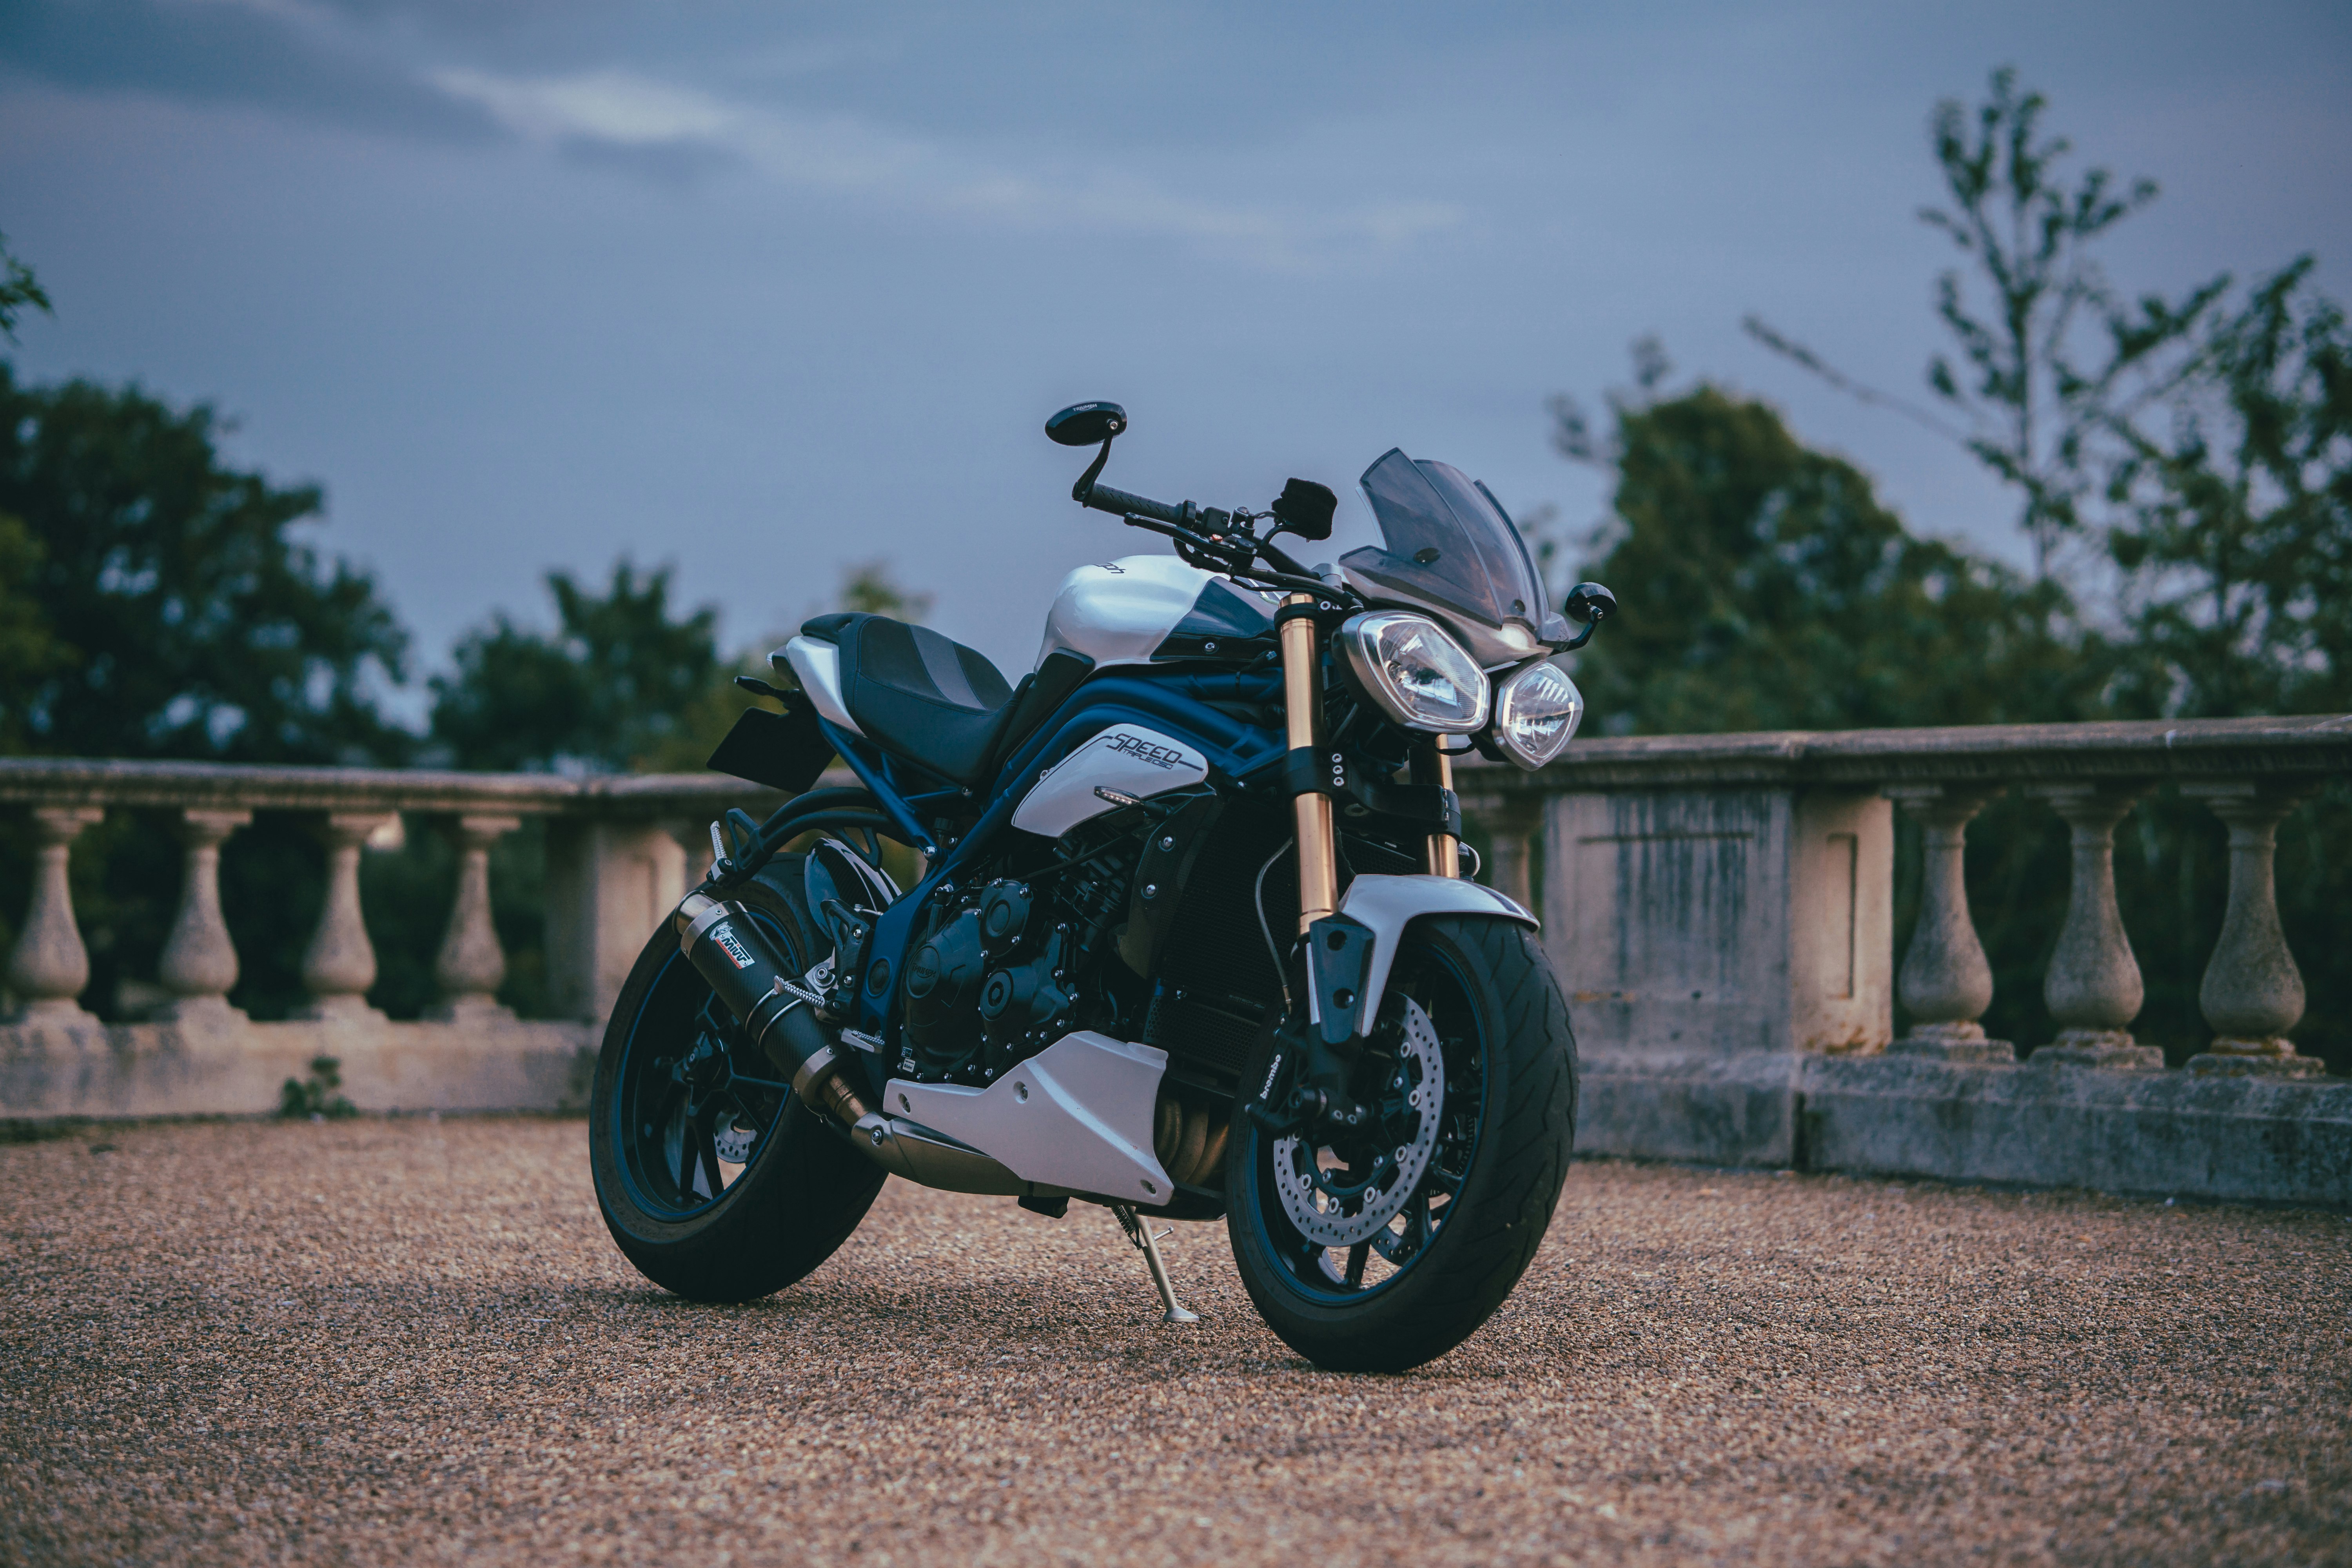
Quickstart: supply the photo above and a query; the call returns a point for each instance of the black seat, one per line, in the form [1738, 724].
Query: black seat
[915, 692]
[936, 702]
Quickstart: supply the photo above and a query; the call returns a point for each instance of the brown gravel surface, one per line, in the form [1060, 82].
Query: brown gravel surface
[378, 1339]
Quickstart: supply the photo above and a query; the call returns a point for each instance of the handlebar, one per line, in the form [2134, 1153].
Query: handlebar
[1190, 527]
[1104, 498]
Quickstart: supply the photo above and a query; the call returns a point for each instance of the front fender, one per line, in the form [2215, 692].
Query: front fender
[1387, 905]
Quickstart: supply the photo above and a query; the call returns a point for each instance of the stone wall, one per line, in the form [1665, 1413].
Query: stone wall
[1718, 908]
[620, 852]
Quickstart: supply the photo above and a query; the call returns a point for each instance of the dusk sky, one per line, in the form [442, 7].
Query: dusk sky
[766, 289]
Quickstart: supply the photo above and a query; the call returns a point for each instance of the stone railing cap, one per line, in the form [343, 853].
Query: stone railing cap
[78, 781]
[1991, 753]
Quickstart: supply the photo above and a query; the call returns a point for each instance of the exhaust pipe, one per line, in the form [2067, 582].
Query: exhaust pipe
[728, 950]
[753, 981]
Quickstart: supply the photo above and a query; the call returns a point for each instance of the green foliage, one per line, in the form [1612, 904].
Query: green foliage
[1764, 586]
[19, 291]
[29, 648]
[181, 619]
[869, 588]
[612, 686]
[2054, 367]
[155, 603]
[2236, 531]
[2040, 389]
[316, 1097]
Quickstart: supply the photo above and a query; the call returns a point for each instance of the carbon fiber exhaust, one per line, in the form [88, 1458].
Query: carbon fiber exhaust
[755, 983]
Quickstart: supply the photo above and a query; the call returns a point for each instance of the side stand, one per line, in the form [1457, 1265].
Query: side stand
[1139, 1231]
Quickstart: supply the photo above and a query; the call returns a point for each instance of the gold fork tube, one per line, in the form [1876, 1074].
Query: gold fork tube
[1441, 853]
[1302, 701]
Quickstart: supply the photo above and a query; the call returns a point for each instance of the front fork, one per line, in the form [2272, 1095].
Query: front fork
[1318, 848]
[1441, 853]
[1321, 1050]
[1302, 701]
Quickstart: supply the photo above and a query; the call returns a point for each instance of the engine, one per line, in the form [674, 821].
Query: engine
[1007, 965]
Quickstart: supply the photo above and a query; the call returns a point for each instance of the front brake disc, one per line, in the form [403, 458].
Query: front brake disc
[1334, 1207]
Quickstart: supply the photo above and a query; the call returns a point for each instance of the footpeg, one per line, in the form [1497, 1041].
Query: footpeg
[1138, 1232]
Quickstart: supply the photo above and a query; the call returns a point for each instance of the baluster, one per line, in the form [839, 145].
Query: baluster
[1945, 983]
[2253, 992]
[199, 962]
[693, 835]
[2094, 988]
[471, 965]
[1513, 822]
[340, 964]
[49, 967]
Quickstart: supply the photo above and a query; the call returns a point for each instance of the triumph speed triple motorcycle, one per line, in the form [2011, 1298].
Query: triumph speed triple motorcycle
[1191, 938]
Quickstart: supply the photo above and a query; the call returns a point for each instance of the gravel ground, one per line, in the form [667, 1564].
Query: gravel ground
[376, 1339]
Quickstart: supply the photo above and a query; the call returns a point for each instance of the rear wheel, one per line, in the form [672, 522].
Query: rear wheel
[1389, 1249]
[713, 1177]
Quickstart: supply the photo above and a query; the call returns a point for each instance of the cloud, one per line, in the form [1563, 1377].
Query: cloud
[268, 55]
[364, 65]
[622, 116]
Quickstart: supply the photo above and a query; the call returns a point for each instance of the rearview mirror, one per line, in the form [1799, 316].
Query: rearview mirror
[1304, 509]
[1084, 424]
[1588, 603]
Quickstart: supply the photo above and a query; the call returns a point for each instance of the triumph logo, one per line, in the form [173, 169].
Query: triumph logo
[1136, 746]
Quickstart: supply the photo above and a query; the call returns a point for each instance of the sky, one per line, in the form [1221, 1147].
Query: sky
[767, 290]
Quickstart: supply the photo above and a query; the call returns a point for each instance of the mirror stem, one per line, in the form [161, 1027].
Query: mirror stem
[1085, 485]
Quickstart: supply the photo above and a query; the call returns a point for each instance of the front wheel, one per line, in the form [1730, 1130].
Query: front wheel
[1389, 1251]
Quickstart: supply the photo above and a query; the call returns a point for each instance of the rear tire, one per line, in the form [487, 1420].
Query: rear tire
[676, 1213]
[1508, 1124]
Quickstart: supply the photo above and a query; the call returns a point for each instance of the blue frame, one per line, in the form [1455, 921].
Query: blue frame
[1173, 701]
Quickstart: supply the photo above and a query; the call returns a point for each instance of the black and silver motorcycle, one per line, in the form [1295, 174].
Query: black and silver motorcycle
[1191, 938]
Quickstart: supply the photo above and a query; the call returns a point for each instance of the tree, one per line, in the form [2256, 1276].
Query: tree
[19, 291]
[1765, 586]
[2236, 534]
[29, 649]
[2056, 365]
[869, 588]
[156, 603]
[182, 619]
[613, 684]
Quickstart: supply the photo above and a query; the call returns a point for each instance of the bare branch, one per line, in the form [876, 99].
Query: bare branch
[1788, 348]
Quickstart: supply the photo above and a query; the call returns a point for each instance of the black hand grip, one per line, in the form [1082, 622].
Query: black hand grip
[1103, 498]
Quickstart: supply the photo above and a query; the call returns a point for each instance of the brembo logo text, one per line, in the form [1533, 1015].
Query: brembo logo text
[1124, 744]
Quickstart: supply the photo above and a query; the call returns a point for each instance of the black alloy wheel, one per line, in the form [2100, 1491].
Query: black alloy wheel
[712, 1177]
[1380, 1251]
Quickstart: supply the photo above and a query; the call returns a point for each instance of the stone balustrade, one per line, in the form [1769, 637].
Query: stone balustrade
[1720, 909]
[620, 852]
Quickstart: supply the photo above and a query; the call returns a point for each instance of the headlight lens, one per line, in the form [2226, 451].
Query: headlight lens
[1418, 674]
[1536, 712]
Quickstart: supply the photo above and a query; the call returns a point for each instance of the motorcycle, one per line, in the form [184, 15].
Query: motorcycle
[1191, 937]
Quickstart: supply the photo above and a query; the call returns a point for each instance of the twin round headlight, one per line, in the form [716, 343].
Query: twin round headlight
[1416, 672]
[1536, 713]
[1423, 679]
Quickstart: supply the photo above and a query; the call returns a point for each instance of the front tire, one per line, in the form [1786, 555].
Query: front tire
[1424, 1281]
[715, 1180]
